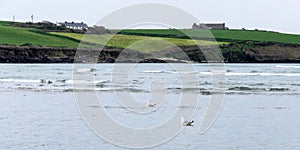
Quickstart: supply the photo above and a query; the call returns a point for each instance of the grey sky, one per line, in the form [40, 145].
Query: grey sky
[275, 15]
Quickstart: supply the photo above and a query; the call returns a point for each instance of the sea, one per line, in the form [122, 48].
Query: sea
[41, 106]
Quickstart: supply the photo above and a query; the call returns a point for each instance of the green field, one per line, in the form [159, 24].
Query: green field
[220, 35]
[146, 40]
[13, 35]
[141, 43]
[19, 36]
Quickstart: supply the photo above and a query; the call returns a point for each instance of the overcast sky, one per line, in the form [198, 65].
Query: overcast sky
[275, 15]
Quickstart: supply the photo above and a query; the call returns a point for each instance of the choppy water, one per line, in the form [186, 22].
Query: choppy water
[240, 78]
[260, 111]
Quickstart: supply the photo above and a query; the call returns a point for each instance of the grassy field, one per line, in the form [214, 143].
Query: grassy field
[18, 36]
[141, 43]
[221, 35]
[13, 35]
[135, 39]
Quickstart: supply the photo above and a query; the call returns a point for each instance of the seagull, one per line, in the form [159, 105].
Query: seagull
[186, 123]
[43, 81]
[150, 105]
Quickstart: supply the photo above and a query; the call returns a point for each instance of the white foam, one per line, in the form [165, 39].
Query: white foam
[187, 72]
[171, 72]
[264, 74]
[82, 70]
[153, 71]
[86, 81]
[287, 66]
[255, 74]
[20, 80]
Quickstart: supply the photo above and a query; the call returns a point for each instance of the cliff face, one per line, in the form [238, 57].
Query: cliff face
[263, 52]
[240, 52]
[276, 53]
[37, 54]
[34, 54]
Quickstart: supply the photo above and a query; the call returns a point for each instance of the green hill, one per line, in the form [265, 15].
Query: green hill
[220, 35]
[140, 43]
[237, 46]
[12, 35]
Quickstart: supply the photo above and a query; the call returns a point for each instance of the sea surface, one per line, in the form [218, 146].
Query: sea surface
[260, 109]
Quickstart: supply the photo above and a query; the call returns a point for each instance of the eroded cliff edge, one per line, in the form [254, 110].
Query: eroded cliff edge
[236, 52]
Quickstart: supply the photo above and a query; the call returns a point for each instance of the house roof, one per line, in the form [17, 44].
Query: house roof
[74, 24]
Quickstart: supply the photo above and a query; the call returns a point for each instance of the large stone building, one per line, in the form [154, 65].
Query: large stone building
[218, 26]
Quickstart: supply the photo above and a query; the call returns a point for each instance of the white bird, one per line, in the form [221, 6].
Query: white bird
[150, 105]
[186, 123]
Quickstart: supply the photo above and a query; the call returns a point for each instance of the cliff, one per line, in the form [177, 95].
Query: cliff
[236, 52]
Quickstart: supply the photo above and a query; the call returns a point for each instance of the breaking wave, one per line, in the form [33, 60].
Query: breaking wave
[244, 88]
[287, 66]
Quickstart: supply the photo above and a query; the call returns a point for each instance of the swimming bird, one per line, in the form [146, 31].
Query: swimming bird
[186, 123]
[150, 105]
[43, 81]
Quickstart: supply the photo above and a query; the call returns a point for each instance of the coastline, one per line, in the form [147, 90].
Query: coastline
[235, 52]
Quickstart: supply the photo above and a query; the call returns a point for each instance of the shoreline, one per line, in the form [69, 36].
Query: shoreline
[237, 52]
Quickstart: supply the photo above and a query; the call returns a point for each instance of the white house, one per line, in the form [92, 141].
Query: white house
[74, 25]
